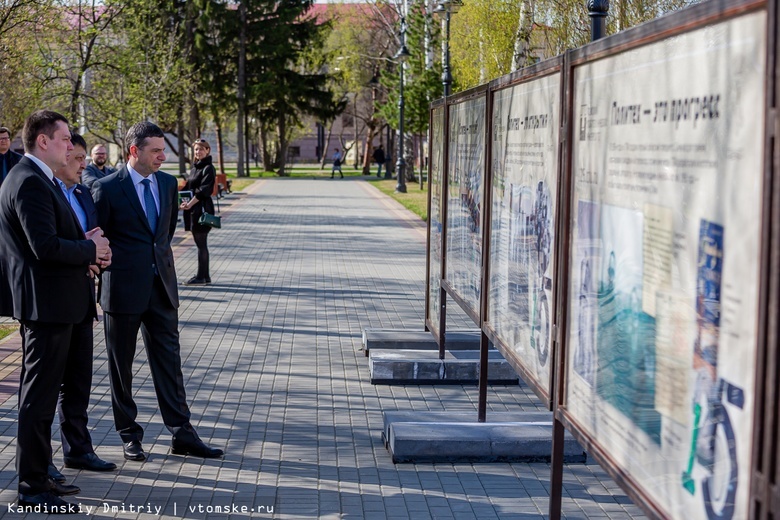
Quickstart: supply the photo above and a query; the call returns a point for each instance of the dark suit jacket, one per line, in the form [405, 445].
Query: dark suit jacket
[12, 159]
[201, 182]
[44, 256]
[126, 285]
[92, 173]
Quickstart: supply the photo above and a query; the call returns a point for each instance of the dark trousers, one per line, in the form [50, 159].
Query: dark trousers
[74, 392]
[159, 328]
[45, 352]
[201, 238]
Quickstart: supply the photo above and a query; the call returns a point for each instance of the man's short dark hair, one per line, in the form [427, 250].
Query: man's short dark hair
[40, 122]
[4, 130]
[77, 140]
[140, 132]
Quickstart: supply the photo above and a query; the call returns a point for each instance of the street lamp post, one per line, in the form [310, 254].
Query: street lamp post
[444, 10]
[400, 165]
[597, 10]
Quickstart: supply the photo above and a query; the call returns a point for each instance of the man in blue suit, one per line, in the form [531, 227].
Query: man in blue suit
[77, 382]
[138, 208]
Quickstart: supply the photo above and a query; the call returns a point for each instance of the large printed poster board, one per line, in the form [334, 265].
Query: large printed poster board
[524, 169]
[466, 178]
[435, 218]
[663, 292]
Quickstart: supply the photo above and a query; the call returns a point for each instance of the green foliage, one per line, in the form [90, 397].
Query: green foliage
[482, 36]
[422, 81]
[483, 32]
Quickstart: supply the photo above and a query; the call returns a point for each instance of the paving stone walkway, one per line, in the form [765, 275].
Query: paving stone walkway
[275, 375]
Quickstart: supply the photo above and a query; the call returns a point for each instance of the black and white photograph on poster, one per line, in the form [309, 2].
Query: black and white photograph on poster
[434, 218]
[524, 170]
[588, 257]
[464, 199]
[667, 178]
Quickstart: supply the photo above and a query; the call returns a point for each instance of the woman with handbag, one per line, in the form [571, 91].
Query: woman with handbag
[201, 183]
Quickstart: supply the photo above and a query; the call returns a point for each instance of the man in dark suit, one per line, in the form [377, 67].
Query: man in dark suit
[138, 208]
[45, 260]
[77, 382]
[98, 169]
[8, 158]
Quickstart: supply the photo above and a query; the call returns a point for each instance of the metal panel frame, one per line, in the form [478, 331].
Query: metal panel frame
[434, 328]
[765, 483]
[660, 29]
[474, 93]
[539, 70]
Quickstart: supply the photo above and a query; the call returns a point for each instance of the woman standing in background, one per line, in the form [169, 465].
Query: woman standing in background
[201, 183]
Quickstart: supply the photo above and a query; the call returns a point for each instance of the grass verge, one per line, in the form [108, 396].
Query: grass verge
[415, 200]
[5, 330]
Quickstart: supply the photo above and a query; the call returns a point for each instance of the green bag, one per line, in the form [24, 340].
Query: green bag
[207, 219]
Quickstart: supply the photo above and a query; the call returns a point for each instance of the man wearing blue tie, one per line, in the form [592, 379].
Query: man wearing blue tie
[8, 158]
[138, 209]
[77, 380]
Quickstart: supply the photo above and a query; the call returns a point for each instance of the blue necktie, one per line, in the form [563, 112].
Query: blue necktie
[151, 208]
[5, 169]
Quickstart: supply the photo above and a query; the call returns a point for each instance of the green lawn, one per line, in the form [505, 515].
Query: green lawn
[415, 199]
[303, 171]
[5, 330]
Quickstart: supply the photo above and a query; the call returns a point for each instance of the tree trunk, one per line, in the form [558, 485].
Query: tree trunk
[355, 125]
[180, 150]
[220, 154]
[267, 163]
[282, 128]
[369, 148]
[326, 147]
[522, 55]
[247, 138]
[240, 90]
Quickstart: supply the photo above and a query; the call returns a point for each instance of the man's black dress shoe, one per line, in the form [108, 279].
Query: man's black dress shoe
[59, 489]
[47, 503]
[89, 461]
[55, 474]
[134, 451]
[197, 448]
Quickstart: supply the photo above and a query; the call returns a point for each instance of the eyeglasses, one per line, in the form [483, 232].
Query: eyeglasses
[197, 141]
[5, 138]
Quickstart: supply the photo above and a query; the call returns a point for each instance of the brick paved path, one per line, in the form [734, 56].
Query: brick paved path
[275, 375]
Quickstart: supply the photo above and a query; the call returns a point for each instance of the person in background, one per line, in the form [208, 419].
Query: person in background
[201, 183]
[337, 160]
[98, 169]
[8, 158]
[379, 159]
[77, 448]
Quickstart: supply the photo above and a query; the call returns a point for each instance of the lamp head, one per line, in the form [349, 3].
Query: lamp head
[403, 54]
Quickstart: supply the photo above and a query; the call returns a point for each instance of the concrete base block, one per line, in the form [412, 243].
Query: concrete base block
[423, 367]
[397, 339]
[458, 437]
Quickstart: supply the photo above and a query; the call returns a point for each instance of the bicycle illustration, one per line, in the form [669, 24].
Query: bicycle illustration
[542, 222]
